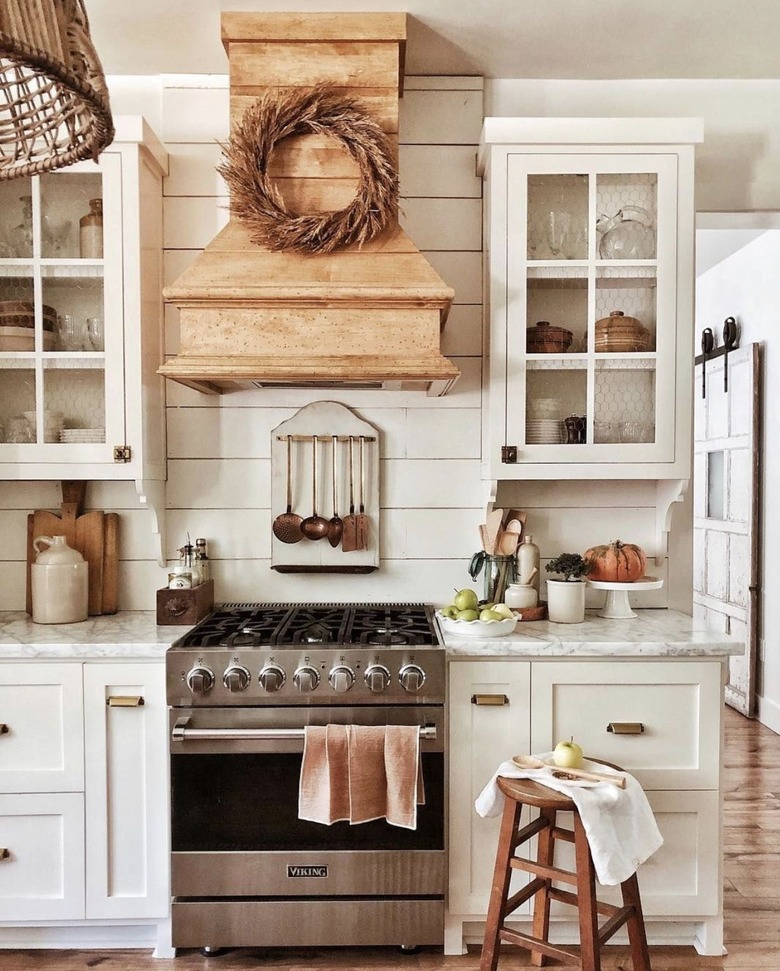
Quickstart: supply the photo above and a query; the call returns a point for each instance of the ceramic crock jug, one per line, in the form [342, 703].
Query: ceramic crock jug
[628, 235]
[58, 582]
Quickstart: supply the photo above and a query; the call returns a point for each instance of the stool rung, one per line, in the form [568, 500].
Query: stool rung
[564, 897]
[540, 870]
[563, 834]
[564, 954]
[534, 827]
[615, 923]
[521, 896]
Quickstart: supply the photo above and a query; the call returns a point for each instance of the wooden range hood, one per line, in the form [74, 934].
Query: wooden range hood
[367, 317]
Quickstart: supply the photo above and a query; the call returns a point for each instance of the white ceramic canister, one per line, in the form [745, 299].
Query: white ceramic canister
[519, 595]
[566, 601]
[59, 583]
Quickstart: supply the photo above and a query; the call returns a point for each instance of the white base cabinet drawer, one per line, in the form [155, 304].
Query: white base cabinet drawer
[678, 705]
[42, 875]
[682, 877]
[41, 746]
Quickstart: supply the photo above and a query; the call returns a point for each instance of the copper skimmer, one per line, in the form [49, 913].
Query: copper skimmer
[349, 541]
[287, 525]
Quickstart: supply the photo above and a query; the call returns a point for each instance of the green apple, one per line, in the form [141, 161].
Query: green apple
[466, 599]
[503, 610]
[468, 615]
[487, 614]
[567, 755]
[450, 611]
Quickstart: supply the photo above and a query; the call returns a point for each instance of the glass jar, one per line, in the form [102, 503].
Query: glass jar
[21, 236]
[91, 232]
[499, 572]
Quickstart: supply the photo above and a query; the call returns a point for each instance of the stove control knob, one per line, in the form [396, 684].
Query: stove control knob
[272, 677]
[341, 678]
[200, 680]
[236, 678]
[377, 677]
[306, 678]
[412, 678]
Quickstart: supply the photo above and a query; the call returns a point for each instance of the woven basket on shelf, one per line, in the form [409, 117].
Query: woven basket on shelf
[54, 107]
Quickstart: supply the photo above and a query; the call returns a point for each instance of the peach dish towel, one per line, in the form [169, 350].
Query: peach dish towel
[361, 772]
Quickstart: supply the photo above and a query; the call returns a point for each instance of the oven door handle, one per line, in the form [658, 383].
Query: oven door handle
[181, 732]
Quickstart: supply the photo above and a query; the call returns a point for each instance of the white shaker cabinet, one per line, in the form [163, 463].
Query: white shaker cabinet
[503, 708]
[83, 794]
[589, 295]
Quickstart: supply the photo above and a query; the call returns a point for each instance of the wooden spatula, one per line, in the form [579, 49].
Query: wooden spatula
[349, 539]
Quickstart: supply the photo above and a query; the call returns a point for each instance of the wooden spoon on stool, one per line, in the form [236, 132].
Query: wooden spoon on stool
[531, 762]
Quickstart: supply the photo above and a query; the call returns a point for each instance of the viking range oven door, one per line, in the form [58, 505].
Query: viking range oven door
[241, 854]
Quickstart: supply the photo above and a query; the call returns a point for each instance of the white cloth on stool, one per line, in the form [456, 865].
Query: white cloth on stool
[619, 823]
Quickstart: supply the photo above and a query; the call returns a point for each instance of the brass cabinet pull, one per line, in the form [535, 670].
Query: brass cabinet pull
[125, 701]
[5, 854]
[489, 700]
[626, 728]
[4, 729]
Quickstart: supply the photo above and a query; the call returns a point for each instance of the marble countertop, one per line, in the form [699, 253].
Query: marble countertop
[652, 633]
[128, 634]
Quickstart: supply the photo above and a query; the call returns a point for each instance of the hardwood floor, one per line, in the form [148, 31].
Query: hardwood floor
[752, 899]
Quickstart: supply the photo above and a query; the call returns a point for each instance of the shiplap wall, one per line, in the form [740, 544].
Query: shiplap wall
[432, 496]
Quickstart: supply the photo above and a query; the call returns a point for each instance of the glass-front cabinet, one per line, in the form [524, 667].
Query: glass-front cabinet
[589, 297]
[80, 316]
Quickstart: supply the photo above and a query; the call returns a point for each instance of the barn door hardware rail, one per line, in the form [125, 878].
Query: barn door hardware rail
[709, 352]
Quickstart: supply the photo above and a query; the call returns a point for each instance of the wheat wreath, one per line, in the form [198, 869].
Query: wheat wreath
[256, 200]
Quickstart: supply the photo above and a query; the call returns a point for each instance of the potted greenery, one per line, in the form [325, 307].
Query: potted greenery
[566, 597]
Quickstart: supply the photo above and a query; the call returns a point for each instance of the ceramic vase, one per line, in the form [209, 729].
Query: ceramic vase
[566, 601]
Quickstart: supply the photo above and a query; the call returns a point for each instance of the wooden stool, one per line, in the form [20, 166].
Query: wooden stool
[521, 792]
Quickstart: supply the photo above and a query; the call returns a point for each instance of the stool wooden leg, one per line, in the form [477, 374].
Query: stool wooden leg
[499, 891]
[586, 898]
[544, 854]
[640, 956]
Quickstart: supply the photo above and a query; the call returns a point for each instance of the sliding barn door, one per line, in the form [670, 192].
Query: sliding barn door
[726, 510]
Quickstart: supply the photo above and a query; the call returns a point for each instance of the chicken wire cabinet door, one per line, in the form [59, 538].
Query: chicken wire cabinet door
[80, 316]
[590, 295]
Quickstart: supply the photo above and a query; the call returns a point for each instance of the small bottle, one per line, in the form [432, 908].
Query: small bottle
[202, 559]
[527, 560]
[91, 232]
[189, 562]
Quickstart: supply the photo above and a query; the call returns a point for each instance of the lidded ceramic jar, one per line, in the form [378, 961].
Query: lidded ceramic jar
[59, 583]
[520, 595]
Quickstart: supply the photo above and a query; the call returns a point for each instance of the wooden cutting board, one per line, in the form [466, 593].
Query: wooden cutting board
[94, 534]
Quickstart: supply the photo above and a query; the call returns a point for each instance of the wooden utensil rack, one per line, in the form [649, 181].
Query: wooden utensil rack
[334, 431]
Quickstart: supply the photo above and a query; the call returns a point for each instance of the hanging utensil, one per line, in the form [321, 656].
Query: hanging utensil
[730, 334]
[362, 518]
[314, 526]
[349, 532]
[287, 525]
[707, 344]
[336, 524]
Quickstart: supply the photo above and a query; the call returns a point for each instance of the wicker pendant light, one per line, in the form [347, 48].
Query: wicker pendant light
[54, 107]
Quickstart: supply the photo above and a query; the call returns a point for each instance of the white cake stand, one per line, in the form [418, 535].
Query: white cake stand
[617, 606]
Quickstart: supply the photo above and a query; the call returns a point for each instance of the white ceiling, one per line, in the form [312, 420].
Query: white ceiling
[583, 39]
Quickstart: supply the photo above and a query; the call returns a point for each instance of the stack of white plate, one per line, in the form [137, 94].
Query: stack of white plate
[543, 431]
[72, 436]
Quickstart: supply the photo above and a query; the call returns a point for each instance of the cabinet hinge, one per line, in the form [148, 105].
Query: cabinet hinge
[509, 454]
[122, 453]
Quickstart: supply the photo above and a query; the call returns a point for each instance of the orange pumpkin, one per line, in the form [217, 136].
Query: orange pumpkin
[616, 562]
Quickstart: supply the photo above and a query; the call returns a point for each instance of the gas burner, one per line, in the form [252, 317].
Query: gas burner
[386, 636]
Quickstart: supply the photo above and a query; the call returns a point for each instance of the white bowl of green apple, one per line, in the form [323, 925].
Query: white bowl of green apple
[467, 617]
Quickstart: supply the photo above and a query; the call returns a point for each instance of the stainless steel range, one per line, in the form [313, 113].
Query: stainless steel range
[242, 687]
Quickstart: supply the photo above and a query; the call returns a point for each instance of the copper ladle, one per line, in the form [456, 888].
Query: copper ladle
[287, 525]
[314, 526]
[336, 524]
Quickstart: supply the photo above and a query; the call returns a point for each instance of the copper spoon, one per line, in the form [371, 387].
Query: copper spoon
[314, 526]
[287, 525]
[336, 524]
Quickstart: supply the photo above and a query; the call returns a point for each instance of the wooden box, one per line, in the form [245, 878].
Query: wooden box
[185, 606]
